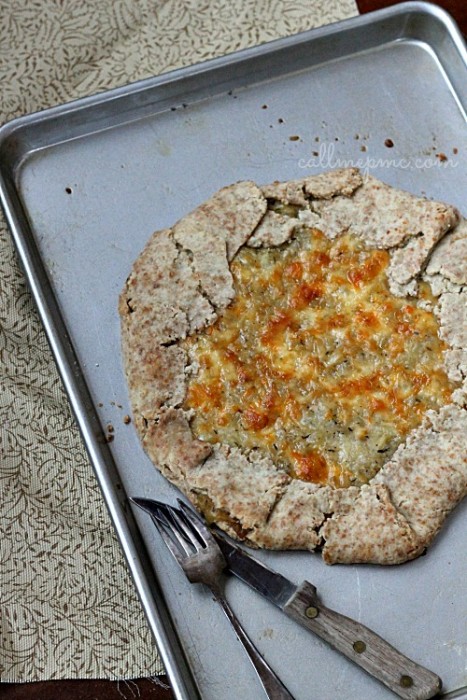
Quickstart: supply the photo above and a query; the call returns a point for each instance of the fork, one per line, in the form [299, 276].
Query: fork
[197, 552]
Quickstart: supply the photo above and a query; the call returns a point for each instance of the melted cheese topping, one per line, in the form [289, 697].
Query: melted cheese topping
[315, 362]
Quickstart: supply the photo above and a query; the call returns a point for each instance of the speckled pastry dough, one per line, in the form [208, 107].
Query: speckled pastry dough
[182, 283]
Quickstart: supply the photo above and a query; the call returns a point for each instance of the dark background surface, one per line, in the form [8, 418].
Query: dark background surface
[158, 688]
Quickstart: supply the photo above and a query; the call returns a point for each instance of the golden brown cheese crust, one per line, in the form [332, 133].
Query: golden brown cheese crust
[315, 362]
[180, 284]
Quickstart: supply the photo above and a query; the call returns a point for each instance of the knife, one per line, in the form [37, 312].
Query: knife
[352, 639]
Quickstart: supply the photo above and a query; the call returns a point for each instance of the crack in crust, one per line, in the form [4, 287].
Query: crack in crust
[182, 281]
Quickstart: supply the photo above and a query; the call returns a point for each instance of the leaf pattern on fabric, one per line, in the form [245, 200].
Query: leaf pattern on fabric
[66, 595]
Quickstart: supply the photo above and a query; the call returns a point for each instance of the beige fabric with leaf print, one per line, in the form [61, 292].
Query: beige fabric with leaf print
[65, 594]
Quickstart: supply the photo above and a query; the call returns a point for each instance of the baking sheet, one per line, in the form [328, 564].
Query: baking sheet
[84, 186]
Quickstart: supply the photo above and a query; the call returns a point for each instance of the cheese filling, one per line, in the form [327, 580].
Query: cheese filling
[315, 363]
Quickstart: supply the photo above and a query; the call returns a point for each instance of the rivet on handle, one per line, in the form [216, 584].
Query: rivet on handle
[312, 612]
[359, 646]
[406, 681]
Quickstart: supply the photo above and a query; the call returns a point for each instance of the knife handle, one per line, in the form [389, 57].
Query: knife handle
[362, 646]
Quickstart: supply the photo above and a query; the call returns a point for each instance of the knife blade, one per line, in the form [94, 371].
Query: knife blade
[357, 642]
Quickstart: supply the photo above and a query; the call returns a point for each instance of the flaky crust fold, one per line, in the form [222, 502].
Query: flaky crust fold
[181, 282]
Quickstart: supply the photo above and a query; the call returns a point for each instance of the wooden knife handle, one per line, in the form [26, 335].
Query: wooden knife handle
[362, 646]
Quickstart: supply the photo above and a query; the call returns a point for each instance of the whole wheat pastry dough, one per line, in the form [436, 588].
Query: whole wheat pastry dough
[184, 283]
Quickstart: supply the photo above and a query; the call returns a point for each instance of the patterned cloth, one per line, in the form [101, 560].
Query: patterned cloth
[65, 593]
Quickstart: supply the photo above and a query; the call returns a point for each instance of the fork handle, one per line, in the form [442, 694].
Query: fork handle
[273, 686]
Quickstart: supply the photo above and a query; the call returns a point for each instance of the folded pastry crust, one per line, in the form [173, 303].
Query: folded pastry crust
[182, 282]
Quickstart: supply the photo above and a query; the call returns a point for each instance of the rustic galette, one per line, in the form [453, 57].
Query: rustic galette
[296, 356]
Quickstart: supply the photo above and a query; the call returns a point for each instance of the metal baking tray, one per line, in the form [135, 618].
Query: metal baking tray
[83, 186]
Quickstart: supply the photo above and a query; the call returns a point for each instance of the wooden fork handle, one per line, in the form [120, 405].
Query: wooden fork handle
[362, 646]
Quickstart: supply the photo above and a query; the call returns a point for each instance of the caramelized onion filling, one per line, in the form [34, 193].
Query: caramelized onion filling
[315, 363]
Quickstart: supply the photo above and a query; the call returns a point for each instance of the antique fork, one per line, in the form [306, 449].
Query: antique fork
[200, 557]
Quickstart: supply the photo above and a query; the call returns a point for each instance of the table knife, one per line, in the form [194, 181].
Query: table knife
[359, 644]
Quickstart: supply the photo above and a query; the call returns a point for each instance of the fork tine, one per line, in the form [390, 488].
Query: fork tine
[180, 527]
[179, 532]
[184, 528]
[187, 529]
[171, 546]
[164, 520]
[196, 521]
